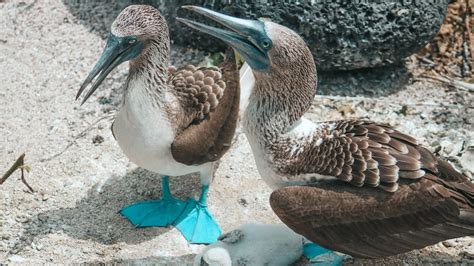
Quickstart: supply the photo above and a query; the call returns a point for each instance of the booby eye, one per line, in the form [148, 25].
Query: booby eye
[132, 41]
[266, 44]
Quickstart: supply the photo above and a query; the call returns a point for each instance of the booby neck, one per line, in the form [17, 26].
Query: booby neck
[280, 98]
[150, 69]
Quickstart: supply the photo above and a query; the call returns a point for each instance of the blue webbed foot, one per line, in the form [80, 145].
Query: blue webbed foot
[160, 213]
[318, 255]
[196, 223]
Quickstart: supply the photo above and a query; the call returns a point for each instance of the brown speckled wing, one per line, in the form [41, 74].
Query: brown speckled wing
[215, 98]
[430, 201]
[369, 223]
[203, 87]
[358, 152]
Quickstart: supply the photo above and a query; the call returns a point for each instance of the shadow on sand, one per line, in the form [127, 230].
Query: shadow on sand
[183, 260]
[96, 217]
[416, 257]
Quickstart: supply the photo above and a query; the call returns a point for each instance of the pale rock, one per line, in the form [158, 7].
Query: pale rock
[469, 251]
[16, 259]
[457, 148]
[447, 146]
[467, 160]
[450, 243]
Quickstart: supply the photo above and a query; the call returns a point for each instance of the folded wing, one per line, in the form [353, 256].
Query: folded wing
[429, 201]
[214, 99]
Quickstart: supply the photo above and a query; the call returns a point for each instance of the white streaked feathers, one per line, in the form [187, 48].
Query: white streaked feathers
[145, 135]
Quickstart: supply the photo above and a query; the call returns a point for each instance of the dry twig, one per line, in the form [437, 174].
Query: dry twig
[458, 84]
[19, 164]
[81, 134]
[469, 33]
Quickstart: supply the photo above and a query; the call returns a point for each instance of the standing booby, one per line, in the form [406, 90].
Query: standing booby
[358, 187]
[171, 121]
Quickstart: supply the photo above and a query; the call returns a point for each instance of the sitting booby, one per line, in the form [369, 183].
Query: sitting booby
[254, 244]
[171, 121]
[358, 187]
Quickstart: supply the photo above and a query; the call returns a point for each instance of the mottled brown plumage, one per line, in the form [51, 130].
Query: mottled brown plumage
[209, 139]
[355, 151]
[203, 87]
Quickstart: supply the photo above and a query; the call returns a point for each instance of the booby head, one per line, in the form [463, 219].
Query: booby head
[266, 46]
[135, 28]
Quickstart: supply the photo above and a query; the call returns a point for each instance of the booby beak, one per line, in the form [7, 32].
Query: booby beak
[117, 51]
[246, 36]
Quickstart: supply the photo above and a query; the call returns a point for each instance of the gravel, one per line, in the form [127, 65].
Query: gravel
[46, 52]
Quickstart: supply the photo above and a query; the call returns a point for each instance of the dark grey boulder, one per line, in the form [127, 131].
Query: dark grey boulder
[343, 34]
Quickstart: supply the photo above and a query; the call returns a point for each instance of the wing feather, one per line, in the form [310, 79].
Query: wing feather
[352, 149]
[214, 105]
[428, 201]
[363, 222]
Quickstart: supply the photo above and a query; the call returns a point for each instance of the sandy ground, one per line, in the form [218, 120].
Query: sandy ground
[82, 178]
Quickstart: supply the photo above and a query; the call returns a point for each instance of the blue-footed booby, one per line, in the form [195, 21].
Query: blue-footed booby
[171, 121]
[355, 186]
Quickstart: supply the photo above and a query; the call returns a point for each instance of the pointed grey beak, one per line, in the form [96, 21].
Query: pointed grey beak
[117, 51]
[246, 36]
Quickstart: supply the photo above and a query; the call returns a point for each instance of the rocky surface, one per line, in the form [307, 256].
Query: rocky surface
[82, 180]
[341, 34]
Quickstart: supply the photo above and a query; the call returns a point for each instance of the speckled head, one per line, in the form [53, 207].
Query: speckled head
[141, 21]
[289, 51]
[137, 29]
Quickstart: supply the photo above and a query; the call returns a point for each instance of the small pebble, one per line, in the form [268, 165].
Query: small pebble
[37, 246]
[16, 259]
[98, 139]
[469, 252]
[243, 202]
[448, 147]
[450, 243]
[44, 197]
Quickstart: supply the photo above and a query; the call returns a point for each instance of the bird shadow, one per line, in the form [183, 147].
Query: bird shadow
[416, 257]
[152, 260]
[95, 217]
